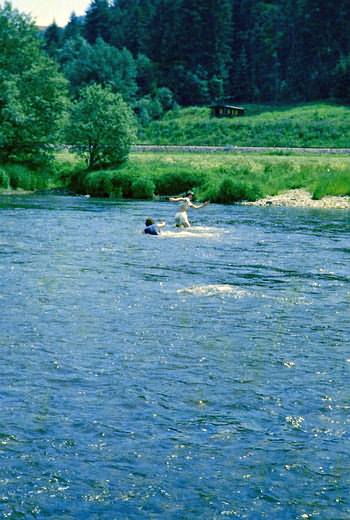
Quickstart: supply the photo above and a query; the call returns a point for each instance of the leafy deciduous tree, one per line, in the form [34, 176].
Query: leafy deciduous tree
[33, 94]
[101, 127]
[100, 63]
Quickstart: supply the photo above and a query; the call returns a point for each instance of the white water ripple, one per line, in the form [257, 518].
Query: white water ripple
[214, 289]
[193, 232]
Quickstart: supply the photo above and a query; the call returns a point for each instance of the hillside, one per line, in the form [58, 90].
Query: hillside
[323, 124]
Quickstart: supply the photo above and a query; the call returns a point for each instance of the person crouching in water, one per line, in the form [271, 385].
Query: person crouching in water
[152, 227]
[181, 217]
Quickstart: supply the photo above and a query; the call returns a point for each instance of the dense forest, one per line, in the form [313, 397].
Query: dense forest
[195, 51]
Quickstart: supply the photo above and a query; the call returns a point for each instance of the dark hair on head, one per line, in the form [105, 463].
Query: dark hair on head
[149, 221]
[189, 193]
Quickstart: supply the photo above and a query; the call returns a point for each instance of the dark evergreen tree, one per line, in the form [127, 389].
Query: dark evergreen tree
[145, 75]
[165, 28]
[341, 80]
[246, 50]
[53, 39]
[217, 37]
[74, 27]
[98, 21]
[117, 31]
[322, 43]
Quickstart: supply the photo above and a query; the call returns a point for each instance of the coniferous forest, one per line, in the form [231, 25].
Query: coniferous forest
[195, 51]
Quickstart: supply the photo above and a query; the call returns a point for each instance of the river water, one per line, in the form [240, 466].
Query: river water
[197, 375]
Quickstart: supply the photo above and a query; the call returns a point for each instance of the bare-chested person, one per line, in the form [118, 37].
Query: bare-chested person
[181, 217]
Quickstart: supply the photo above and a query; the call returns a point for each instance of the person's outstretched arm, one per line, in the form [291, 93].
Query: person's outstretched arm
[200, 205]
[176, 199]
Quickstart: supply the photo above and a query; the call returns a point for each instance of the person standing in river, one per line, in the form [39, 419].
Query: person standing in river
[181, 217]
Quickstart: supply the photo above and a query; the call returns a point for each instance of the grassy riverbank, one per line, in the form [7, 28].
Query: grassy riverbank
[323, 124]
[219, 177]
[222, 178]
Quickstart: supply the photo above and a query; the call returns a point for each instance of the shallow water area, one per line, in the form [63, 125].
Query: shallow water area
[177, 376]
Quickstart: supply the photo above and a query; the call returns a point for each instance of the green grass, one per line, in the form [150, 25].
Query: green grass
[323, 124]
[222, 178]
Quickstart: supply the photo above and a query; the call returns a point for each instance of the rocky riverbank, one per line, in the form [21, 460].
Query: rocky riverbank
[302, 198]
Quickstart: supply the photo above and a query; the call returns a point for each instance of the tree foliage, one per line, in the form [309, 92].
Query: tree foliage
[101, 127]
[74, 27]
[97, 21]
[84, 64]
[53, 37]
[251, 50]
[32, 92]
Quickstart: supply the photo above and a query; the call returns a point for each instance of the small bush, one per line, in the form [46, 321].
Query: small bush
[107, 183]
[4, 179]
[333, 183]
[166, 98]
[232, 190]
[77, 181]
[171, 183]
[143, 188]
[25, 179]
[98, 184]
[65, 173]
[121, 183]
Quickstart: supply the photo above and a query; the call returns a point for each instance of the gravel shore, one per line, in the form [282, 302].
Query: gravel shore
[302, 198]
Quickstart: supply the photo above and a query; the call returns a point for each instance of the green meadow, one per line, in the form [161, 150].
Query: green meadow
[323, 124]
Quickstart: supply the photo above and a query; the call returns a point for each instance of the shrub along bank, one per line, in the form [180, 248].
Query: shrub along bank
[16, 177]
[56, 174]
[222, 178]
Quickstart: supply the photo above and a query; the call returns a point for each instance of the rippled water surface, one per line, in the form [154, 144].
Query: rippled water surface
[200, 374]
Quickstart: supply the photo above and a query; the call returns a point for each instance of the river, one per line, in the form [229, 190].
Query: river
[196, 375]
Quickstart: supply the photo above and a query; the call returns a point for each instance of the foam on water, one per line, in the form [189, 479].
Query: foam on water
[213, 290]
[193, 232]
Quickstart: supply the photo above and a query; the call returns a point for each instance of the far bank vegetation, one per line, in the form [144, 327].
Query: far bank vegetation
[80, 86]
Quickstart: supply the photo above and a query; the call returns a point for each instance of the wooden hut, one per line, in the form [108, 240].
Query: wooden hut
[223, 110]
